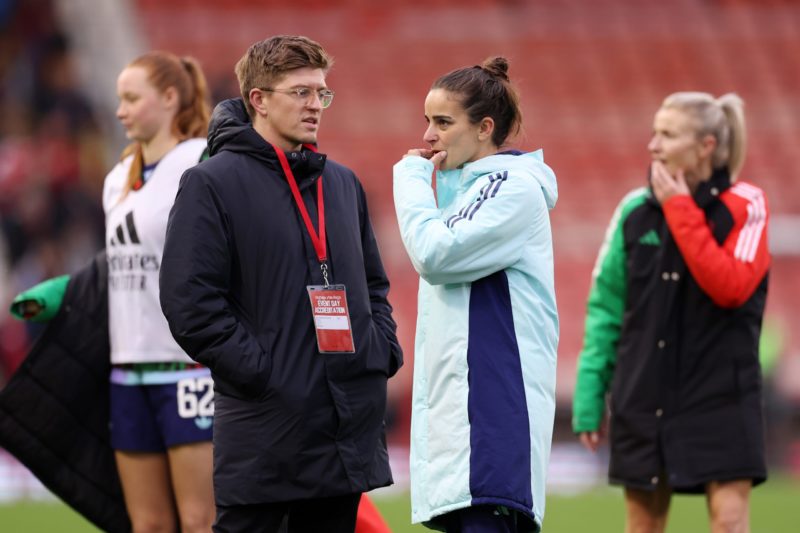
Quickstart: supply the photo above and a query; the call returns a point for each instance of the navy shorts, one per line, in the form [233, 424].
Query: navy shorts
[152, 417]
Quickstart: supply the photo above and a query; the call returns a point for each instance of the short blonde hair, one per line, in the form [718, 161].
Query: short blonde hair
[265, 62]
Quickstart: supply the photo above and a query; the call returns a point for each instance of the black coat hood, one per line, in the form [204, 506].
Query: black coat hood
[230, 128]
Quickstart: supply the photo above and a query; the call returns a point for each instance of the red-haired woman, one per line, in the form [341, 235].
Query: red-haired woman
[161, 400]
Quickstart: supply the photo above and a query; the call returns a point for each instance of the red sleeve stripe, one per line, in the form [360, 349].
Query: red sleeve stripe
[750, 235]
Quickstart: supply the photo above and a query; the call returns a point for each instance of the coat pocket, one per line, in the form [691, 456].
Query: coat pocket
[246, 377]
[378, 356]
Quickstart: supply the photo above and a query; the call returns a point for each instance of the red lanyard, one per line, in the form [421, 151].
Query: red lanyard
[318, 240]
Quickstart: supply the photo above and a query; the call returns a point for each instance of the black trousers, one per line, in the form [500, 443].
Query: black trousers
[331, 515]
[484, 519]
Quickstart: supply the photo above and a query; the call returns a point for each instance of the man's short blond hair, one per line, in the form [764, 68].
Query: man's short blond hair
[265, 62]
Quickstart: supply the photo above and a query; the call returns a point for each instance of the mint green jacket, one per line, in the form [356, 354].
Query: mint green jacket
[487, 332]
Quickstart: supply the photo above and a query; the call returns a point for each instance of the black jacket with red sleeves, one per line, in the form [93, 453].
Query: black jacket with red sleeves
[672, 332]
[290, 423]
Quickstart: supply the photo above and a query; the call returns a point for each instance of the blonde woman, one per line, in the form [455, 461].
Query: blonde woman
[673, 323]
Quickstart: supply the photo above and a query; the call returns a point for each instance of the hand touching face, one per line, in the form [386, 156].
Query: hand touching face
[664, 185]
[435, 157]
[450, 130]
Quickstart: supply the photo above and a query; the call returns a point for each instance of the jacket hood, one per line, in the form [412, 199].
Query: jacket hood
[531, 163]
[229, 122]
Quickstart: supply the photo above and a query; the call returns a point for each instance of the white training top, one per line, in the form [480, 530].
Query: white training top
[136, 228]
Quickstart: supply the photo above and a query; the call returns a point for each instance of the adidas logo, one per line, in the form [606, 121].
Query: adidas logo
[119, 237]
[650, 238]
[203, 422]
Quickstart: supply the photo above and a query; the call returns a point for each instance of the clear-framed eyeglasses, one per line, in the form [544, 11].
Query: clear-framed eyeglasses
[304, 94]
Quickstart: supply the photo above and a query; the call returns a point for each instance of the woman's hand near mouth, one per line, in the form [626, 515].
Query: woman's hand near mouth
[436, 156]
[664, 185]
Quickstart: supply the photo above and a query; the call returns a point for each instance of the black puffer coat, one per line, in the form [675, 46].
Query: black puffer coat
[290, 423]
[672, 332]
[686, 393]
[54, 412]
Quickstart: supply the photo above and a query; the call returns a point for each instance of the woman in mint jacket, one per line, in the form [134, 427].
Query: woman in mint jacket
[487, 327]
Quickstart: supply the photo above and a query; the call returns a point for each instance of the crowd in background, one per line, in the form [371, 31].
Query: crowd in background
[53, 159]
[52, 165]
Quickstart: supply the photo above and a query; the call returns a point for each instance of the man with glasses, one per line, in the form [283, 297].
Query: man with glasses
[271, 277]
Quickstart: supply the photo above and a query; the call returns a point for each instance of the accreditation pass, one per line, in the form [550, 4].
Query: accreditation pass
[331, 318]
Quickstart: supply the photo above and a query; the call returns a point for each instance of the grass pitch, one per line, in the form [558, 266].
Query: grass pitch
[600, 510]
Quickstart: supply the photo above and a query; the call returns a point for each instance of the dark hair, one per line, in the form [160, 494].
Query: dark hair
[265, 62]
[486, 91]
[165, 70]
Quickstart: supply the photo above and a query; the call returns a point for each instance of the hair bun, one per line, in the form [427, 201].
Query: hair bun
[496, 66]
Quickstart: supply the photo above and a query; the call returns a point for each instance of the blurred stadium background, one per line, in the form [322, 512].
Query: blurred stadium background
[591, 74]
